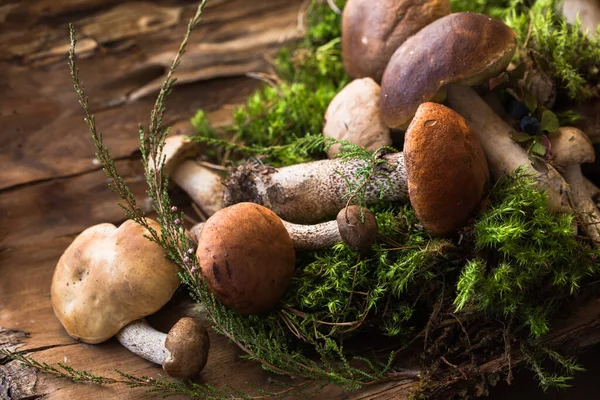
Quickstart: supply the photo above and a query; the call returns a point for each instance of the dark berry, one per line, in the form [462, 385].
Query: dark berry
[530, 125]
[517, 109]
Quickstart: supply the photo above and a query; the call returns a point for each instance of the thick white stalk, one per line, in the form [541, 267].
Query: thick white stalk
[503, 154]
[585, 209]
[202, 185]
[145, 341]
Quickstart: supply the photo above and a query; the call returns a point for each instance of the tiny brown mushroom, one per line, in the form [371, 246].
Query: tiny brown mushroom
[354, 115]
[460, 48]
[571, 148]
[247, 257]
[447, 172]
[182, 352]
[373, 30]
[358, 227]
[107, 280]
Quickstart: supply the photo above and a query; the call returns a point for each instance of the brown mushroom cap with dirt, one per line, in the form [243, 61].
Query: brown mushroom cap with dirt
[108, 280]
[447, 171]
[373, 30]
[247, 257]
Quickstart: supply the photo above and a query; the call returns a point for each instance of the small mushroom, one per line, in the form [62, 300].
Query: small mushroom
[447, 172]
[588, 12]
[354, 115]
[460, 48]
[571, 148]
[373, 30]
[200, 183]
[349, 228]
[182, 352]
[107, 280]
[247, 257]
[358, 227]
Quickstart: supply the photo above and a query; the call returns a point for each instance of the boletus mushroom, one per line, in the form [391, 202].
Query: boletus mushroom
[447, 171]
[460, 48]
[247, 257]
[108, 280]
[373, 30]
[354, 115]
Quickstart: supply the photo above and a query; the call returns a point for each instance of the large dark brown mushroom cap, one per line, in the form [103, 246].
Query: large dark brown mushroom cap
[373, 30]
[247, 257]
[464, 48]
[446, 169]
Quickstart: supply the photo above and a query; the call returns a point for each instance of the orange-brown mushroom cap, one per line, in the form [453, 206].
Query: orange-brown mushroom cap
[109, 277]
[446, 168]
[462, 48]
[247, 257]
[373, 30]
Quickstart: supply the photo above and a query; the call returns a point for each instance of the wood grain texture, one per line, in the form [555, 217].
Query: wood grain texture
[51, 187]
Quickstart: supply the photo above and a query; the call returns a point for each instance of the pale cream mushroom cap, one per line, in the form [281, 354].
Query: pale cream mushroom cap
[570, 146]
[109, 277]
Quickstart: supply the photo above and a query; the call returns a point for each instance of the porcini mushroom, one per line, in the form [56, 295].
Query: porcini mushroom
[588, 12]
[108, 279]
[246, 257]
[354, 115]
[202, 184]
[312, 192]
[349, 228]
[373, 30]
[461, 48]
[182, 352]
[447, 172]
[571, 148]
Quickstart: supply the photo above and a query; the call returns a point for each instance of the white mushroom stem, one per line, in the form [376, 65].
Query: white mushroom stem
[587, 212]
[503, 154]
[315, 191]
[304, 237]
[202, 185]
[145, 341]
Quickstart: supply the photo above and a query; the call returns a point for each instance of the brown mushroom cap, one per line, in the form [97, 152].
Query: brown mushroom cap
[570, 146]
[188, 344]
[358, 229]
[462, 48]
[109, 277]
[373, 30]
[247, 257]
[446, 169]
[354, 115]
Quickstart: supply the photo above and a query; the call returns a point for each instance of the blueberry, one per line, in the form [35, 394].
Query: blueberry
[530, 125]
[517, 109]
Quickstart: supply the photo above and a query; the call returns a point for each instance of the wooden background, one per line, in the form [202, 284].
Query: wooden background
[51, 186]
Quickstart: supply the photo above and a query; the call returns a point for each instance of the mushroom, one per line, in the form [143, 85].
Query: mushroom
[349, 228]
[182, 352]
[200, 183]
[373, 30]
[315, 191]
[107, 280]
[354, 115]
[571, 148]
[462, 48]
[588, 12]
[357, 227]
[247, 257]
[447, 171]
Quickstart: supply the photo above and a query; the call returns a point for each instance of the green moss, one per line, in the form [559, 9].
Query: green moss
[530, 257]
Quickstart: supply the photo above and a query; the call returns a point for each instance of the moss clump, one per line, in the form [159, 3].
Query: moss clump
[529, 257]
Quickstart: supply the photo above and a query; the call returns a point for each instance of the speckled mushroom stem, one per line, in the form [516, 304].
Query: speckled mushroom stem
[314, 191]
[588, 213]
[182, 352]
[304, 237]
[145, 341]
[503, 154]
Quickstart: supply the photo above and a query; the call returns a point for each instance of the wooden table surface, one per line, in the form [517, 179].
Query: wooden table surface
[51, 186]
